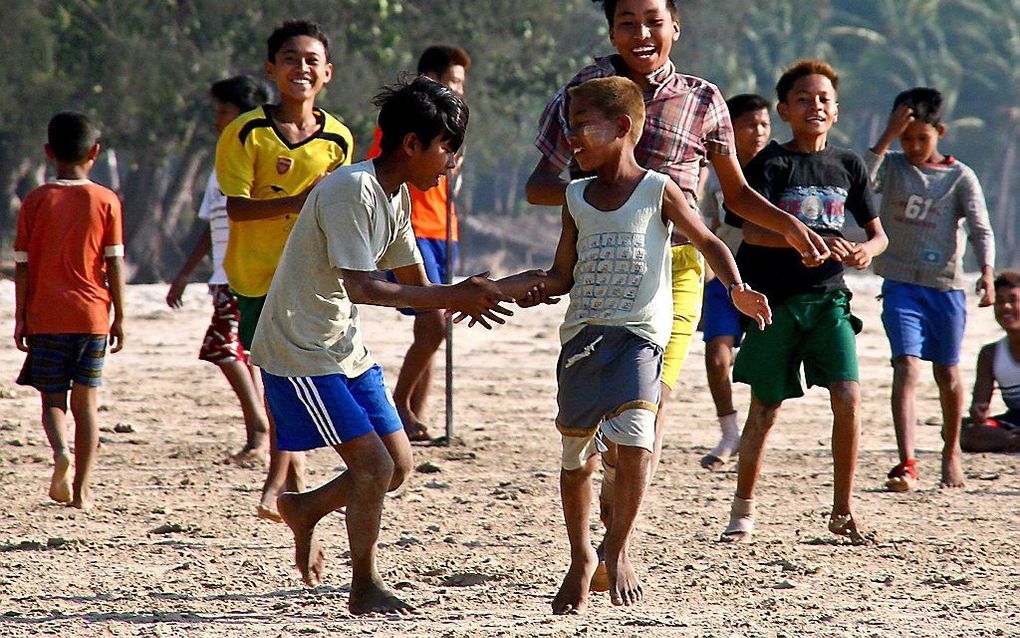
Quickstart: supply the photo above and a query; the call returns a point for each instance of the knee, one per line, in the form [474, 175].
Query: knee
[905, 369]
[579, 475]
[947, 377]
[376, 472]
[83, 400]
[401, 470]
[845, 394]
[430, 329]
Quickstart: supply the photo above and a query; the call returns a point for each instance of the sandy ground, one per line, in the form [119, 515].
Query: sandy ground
[173, 548]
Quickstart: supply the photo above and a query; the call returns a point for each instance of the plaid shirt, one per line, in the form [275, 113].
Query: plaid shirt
[685, 119]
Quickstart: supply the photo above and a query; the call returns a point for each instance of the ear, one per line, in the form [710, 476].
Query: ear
[93, 152]
[270, 68]
[411, 145]
[676, 29]
[835, 118]
[328, 75]
[49, 152]
[624, 125]
[941, 129]
[783, 110]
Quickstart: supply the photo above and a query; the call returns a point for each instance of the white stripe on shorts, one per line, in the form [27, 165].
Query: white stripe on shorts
[317, 400]
[302, 396]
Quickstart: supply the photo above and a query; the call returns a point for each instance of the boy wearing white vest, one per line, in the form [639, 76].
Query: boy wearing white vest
[613, 259]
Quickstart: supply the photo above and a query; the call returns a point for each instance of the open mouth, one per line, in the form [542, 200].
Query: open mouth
[644, 53]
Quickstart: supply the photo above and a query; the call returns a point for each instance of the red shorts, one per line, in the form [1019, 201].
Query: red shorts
[221, 344]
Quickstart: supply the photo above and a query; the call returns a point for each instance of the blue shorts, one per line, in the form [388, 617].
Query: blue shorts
[433, 257]
[721, 318]
[314, 412]
[55, 361]
[924, 322]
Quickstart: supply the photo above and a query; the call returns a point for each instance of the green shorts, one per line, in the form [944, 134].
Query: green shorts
[251, 310]
[813, 329]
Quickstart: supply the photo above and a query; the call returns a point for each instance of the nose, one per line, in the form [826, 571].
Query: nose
[451, 161]
[643, 31]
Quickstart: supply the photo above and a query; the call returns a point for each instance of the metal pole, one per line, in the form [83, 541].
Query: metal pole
[449, 320]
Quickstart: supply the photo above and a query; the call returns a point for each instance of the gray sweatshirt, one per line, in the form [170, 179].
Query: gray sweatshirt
[922, 212]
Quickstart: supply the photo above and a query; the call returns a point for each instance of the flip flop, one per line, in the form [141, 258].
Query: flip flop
[903, 477]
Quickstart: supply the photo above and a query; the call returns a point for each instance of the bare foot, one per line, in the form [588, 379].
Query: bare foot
[84, 503]
[572, 597]
[375, 598]
[952, 471]
[846, 525]
[600, 579]
[308, 554]
[624, 585]
[60, 484]
[712, 463]
[268, 514]
[250, 454]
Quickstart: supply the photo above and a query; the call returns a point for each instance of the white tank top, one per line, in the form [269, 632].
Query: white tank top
[622, 276]
[1006, 370]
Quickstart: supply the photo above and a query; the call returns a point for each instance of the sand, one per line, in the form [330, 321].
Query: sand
[172, 547]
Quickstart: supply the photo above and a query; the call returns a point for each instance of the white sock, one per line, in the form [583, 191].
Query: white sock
[730, 442]
[741, 518]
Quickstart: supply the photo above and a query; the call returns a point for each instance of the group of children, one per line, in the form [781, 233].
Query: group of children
[301, 232]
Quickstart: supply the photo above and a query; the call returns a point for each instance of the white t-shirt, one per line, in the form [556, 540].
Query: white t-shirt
[214, 210]
[309, 326]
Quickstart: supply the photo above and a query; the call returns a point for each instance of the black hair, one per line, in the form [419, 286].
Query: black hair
[437, 59]
[926, 103]
[71, 135]
[609, 6]
[1007, 279]
[746, 103]
[293, 29]
[421, 106]
[243, 91]
[804, 68]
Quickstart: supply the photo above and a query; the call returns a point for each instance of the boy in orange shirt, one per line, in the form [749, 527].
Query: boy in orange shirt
[70, 266]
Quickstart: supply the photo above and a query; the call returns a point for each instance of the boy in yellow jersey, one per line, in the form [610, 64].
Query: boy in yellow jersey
[267, 161]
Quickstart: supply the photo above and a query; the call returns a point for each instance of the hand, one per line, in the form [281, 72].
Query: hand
[812, 248]
[979, 412]
[479, 297]
[899, 121]
[753, 304]
[116, 335]
[858, 258]
[840, 248]
[986, 288]
[20, 338]
[538, 294]
[173, 297]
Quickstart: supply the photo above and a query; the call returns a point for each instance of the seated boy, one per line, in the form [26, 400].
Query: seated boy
[69, 255]
[926, 197]
[321, 384]
[998, 364]
[816, 182]
[613, 259]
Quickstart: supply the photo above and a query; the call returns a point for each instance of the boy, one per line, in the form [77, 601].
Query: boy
[722, 328]
[447, 65]
[69, 255]
[321, 384]
[998, 364]
[613, 259]
[267, 161]
[926, 196]
[221, 346]
[816, 182]
[686, 126]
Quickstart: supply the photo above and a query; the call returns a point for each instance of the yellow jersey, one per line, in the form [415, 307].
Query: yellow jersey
[255, 161]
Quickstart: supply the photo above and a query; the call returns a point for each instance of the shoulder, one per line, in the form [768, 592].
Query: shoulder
[964, 171]
[353, 183]
[335, 131]
[700, 86]
[773, 151]
[241, 128]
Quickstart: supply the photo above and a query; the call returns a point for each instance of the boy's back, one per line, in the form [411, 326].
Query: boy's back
[65, 232]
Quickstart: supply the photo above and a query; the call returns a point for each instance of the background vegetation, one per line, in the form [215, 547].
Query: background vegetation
[142, 68]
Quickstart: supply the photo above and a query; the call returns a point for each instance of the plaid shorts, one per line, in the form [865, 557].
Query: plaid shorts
[55, 361]
[222, 343]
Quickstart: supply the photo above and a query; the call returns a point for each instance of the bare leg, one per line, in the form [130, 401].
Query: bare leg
[85, 408]
[845, 398]
[633, 465]
[906, 371]
[575, 491]
[718, 362]
[54, 419]
[951, 397]
[760, 419]
[285, 469]
[243, 381]
[411, 391]
[983, 438]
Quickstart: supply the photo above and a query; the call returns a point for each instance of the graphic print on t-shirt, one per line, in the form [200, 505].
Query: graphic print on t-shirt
[612, 265]
[819, 207]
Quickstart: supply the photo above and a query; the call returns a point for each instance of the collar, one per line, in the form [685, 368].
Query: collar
[663, 78]
[71, 182]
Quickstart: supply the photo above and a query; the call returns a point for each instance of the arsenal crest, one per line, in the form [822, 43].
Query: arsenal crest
[283, 164]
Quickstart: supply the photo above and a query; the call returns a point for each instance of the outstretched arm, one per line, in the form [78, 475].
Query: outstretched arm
[531, 288]
[984, 384]
[180, 280]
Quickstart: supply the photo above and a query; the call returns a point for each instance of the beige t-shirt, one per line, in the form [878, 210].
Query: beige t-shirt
[309, 327]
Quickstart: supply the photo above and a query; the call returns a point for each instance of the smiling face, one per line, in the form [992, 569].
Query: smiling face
[811, 106]
[920, 142]
[1007, 308]
[751, 132]
[590, 133]
[643, 33]
[301, 68]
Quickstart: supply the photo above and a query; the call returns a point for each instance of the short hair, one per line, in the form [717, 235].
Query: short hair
[1007, 279]
[421, 106]
[243, 91]
[71, 135]
[614, 96]
[438, 58]
[926, 103]
[293, 29]
[746, 103]
[803, 68]
[609, 6]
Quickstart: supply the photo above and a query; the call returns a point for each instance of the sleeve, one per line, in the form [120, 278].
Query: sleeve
[23, 236]
[717, 129]
[344, 158]
[209, 196]
[859, 199]
[551, 140]
[971, 199]
[404, 249]
[346, 224]
[876, 169]
[113, 232]
[235, 162]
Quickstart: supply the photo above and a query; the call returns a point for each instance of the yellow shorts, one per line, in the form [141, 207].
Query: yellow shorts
[688, 287]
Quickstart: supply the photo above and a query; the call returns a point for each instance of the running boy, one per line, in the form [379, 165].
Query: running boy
[221, 346]
[817, 183]
[998, 364]
[613, 258]
[321, 383]
[752, 128]
[926, 196]
[267, 161]
[69, 255]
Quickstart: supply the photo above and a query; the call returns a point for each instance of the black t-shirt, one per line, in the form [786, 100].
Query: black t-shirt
[817, 188]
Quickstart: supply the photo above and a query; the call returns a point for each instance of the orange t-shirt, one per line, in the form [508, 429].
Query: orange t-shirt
[65, 232]
[428, 208]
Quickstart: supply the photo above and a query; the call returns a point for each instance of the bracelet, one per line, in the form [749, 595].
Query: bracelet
[737, 284]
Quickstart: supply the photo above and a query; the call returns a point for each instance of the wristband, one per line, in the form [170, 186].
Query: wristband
[738, 284]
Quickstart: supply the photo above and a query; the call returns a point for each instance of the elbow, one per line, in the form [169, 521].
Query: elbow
[532, 190]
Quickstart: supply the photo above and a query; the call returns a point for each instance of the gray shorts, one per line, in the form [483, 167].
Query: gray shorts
[609, 390]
